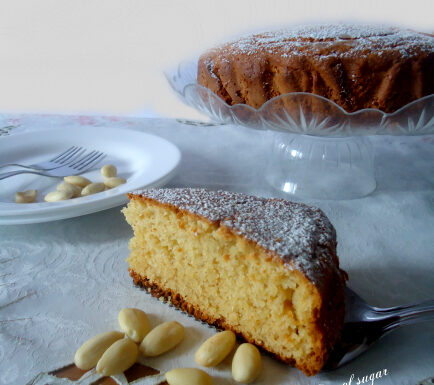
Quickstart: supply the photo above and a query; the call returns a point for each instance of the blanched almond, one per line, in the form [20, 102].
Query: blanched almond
[27, 196]
[134, 323]
[55, 196]
[118, 357]
[91, 351]
[246, 364]
[78, 180]
[108, 171]
[188, 376]
[92, 188]
[215, 349]
[162, 338]
[114, 182]
[69, 188]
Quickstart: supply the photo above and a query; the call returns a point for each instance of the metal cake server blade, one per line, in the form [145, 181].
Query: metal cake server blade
[365, 324]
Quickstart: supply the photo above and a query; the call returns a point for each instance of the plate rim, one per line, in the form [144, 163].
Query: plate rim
[56, 216]
[92, 205]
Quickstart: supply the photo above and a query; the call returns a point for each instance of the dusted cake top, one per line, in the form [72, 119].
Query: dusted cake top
[354, 66]
[334, 39]
[301, 235]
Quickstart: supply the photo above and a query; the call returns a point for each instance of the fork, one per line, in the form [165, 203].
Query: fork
[59, 160]
[79, 166]
[365, 324]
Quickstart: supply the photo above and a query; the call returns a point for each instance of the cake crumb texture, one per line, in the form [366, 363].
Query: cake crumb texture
[265, 269]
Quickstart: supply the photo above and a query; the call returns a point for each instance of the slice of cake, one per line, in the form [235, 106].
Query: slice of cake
[264, 268]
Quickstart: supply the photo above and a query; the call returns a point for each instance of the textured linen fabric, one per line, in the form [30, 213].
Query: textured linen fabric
[63, 282]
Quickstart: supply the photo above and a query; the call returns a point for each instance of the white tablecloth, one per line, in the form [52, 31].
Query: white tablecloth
[62, 282]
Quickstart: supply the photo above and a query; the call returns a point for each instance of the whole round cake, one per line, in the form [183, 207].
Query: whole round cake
[356, 67]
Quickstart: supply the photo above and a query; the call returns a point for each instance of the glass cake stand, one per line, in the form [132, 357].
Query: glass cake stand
[319, 150]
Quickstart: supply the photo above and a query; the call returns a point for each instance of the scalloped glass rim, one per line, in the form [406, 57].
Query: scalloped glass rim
[302, 112]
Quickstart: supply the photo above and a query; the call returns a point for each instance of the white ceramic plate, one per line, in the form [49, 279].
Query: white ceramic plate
[144, 160]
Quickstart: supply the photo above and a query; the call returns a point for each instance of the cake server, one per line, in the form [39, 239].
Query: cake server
[365, 324]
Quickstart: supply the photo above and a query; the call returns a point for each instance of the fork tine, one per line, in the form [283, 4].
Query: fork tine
[91, 162]
[73, 157]
[64, 157]
[78, 162]
[58, 156]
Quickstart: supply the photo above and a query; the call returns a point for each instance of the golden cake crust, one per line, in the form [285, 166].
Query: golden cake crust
[356, 67]
[306, 224]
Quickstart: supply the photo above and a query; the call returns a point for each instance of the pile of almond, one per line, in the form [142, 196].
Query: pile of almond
[114, 352]
[75, 186]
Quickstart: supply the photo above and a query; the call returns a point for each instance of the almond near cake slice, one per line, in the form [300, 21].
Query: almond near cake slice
[264, 268]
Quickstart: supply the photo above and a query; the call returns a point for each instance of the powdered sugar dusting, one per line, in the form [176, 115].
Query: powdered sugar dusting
[300, 235]
[210, 65]
[352, 40]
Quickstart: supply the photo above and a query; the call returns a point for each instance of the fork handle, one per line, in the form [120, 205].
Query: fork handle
[8, 174]
[405, 315]
[17, 165]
